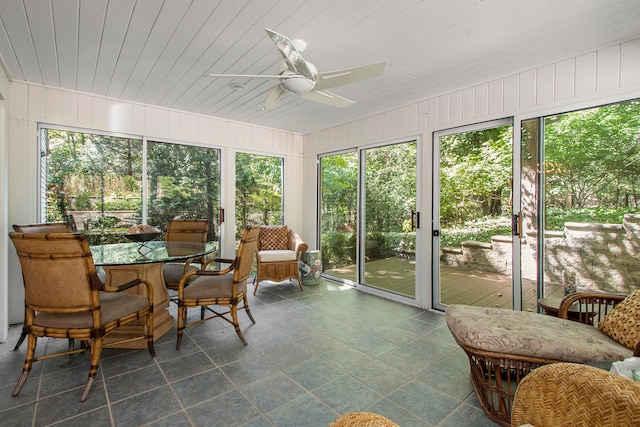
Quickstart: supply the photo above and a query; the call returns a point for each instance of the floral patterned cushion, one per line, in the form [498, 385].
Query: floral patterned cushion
[274, 238]
[623, 322]
[531, 335]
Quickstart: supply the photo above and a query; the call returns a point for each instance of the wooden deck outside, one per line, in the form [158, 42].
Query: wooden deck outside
[458, 286]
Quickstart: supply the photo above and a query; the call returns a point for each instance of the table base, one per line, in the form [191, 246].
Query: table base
[162, 319]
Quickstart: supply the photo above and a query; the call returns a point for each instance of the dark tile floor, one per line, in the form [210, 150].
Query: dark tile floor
[312, 356]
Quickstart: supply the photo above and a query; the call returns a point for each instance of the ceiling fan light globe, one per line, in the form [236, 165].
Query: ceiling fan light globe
[296, 83]
[299, 44]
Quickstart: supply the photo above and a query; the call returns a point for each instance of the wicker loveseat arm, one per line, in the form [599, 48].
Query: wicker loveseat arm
[589, 307]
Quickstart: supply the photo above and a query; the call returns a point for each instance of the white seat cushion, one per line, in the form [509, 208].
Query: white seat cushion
[277, 255]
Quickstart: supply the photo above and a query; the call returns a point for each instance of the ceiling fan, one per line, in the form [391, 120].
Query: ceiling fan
[302, 77]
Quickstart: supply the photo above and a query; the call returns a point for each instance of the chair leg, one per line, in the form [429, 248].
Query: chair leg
[96, 351]
[182, 312]
[23, 335]
[298, 279]
[149, 325]
[28, 363]
[246, 308]
[255, 283]
[233, 310]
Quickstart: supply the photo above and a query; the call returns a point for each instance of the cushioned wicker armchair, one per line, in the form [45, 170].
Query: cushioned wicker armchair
[65, 299]
[227, 288]
[503, 346]
[45, 227]
[279, 250]
[182, 230]
[563, 394]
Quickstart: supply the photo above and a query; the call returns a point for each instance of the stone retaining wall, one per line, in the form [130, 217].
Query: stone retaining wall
[605, 256]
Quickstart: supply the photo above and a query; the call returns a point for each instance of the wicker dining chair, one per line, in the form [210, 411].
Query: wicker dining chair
[183, 230]
[65, 299]
[45, 227]
[227, 287]
[570, 394]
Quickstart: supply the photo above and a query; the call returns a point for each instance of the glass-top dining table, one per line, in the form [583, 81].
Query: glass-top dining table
[123, 262]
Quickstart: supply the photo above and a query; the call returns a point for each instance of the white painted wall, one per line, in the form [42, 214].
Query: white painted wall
[598, 77]
[32, 104]
[4, 226]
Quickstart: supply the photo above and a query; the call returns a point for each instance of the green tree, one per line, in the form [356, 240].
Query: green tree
[475, 174]
[184, 181]
[593, 157]
[258, 190]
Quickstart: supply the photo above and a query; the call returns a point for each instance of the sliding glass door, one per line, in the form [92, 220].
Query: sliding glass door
[389, 220]
[338, 217]
[566, 218]
[368, 217]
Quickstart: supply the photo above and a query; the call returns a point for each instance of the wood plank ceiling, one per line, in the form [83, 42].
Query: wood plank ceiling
[157, 51]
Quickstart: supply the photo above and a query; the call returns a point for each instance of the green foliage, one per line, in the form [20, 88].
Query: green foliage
[104, 222]
[82, 202]
[104, 238]
[338, 249]
[120, 204]
[474, 232]
[81, 166]
[391, 173]
[593, 157]
[557, 217]
[184, 181]
[258, 190]
[475, 174]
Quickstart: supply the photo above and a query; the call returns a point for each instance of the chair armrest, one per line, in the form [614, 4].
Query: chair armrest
[203, 272]
[129, 285]
[591, 307]
[197, 260]
[296, 244]
[220, 260]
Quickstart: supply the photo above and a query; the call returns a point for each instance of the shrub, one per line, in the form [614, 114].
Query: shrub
[82, 202]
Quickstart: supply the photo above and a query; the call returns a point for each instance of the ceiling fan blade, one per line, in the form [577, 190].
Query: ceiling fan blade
[328, 98]
[248, 76]
[292, 56]
[350, 75]
[276, 94]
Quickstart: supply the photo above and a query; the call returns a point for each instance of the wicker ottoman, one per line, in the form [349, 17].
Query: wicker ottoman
[503, 346]
[362, 419]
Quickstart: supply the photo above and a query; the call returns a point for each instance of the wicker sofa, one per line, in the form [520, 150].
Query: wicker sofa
[503, 346]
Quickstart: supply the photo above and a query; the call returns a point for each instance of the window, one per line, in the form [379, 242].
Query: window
[95, 181]
[92, 180]
[183, 181]
[258, 191]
